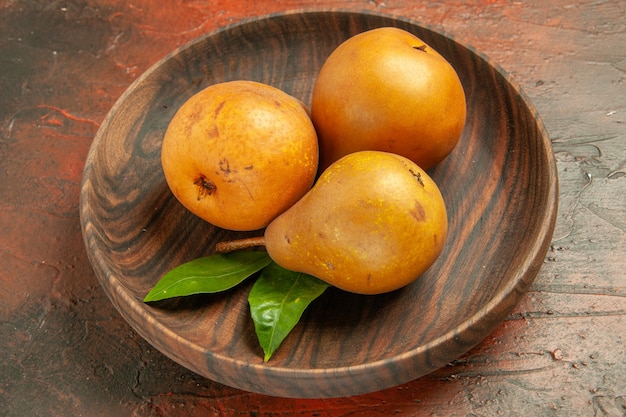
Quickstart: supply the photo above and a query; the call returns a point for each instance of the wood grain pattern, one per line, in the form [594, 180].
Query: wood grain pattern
[500, 187]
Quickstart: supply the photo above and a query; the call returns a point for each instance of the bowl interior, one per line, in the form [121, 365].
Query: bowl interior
[499, 185]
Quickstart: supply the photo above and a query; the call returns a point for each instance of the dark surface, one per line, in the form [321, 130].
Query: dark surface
[64, 349]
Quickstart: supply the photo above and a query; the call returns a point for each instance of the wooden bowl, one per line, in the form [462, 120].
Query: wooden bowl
[500, 187]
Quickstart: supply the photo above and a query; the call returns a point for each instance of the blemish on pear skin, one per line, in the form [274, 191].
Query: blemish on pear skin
[205, 186]
[418, 212]
[218, 109]
[214, 132]
[417, 176]
[193, 116]
[225, 167]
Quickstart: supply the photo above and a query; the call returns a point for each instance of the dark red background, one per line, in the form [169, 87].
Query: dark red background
[65, 351]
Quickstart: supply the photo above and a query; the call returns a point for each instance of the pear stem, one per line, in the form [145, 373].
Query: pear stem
[238, 244]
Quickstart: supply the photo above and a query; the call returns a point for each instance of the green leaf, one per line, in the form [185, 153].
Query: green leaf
[277, 300]
[209, 274]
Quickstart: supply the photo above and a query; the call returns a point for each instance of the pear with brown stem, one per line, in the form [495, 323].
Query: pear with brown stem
[373, 222]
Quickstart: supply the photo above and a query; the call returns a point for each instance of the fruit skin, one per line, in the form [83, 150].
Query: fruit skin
[239, 153]
[372, 223]
[386, 90]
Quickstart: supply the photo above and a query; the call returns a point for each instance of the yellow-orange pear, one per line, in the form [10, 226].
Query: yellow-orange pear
[239, 153]
[385, 89]
[373, 222]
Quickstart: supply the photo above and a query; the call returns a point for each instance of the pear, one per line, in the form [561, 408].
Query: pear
[373, 223]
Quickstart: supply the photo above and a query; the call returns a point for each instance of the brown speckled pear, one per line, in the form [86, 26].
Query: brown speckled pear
[373, 223]
[239, 153]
